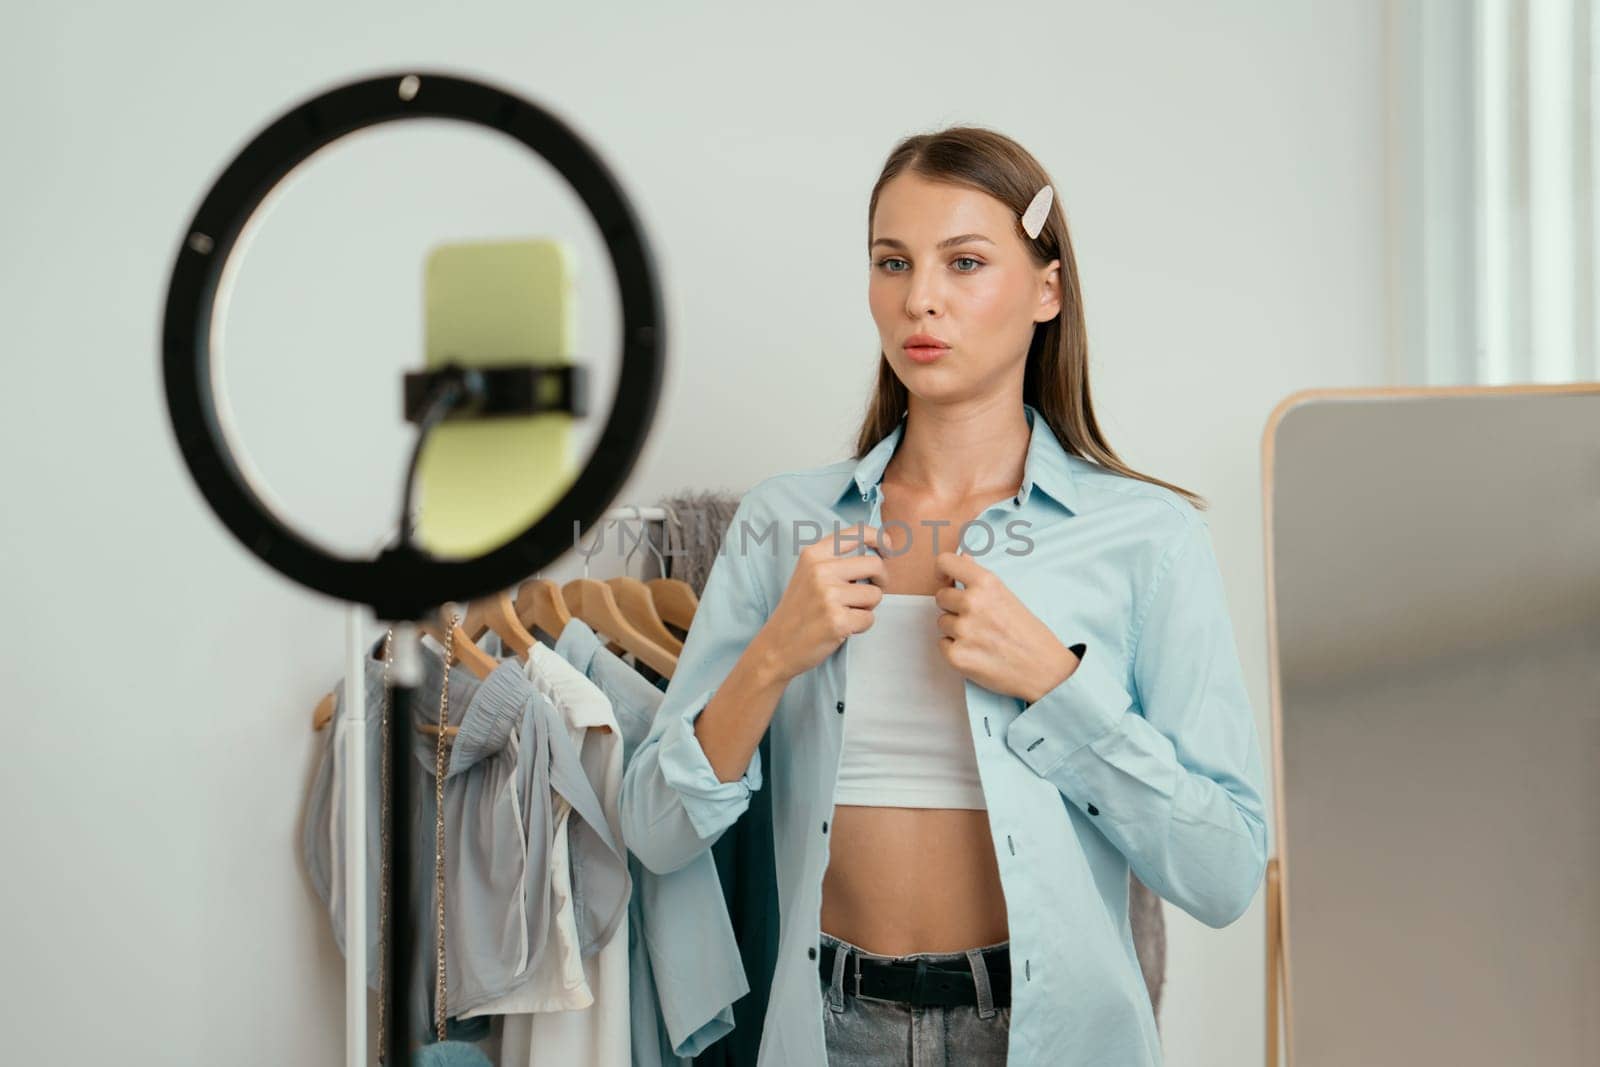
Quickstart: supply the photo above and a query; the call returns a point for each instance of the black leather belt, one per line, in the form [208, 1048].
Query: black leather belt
[919, 983]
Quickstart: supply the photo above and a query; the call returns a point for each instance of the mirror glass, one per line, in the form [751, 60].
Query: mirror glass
[1435, 561]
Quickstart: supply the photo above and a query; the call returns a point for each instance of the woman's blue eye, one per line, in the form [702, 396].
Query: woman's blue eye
[884, 263]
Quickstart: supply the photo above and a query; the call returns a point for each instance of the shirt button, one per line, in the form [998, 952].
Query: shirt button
[811, 952]
[1093, 810]
[839, 707]
[824, 826]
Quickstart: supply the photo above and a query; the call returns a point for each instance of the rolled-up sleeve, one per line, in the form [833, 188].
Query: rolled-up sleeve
[1177, 785]
[673, 805]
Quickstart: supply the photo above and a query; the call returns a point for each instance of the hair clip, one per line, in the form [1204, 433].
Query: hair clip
[1038, 211]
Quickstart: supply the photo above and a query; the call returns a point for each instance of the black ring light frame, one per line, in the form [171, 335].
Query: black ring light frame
[402, 583]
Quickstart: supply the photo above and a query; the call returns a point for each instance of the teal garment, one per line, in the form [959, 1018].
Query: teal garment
[1147, 756]
[684, 973]
[451, 1053]
[746, 867]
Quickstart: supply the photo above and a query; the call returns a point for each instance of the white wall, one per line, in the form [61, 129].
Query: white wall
[1223, 172]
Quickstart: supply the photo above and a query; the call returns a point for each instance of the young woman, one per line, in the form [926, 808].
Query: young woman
[997, 666]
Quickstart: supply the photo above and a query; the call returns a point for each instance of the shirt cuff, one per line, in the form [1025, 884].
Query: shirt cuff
[706, 798]
[706, 1036]
[1087, 705]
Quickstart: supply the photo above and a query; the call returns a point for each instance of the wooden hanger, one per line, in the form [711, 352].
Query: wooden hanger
[499, 614]
[637, 600]
[323, 714]
[539, 603]
[592, 601]
[675, 600]
[639, 607]
[463, 650]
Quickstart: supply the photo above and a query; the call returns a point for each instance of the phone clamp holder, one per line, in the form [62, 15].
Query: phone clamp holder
[498, 392]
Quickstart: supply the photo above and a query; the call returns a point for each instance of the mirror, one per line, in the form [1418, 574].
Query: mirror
[1434, 620]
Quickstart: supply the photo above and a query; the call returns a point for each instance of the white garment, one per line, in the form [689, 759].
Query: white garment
[597, 1035]
[907, 742]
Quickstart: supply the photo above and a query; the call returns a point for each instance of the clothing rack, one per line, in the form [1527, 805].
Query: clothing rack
[353, 726]
[638, 514]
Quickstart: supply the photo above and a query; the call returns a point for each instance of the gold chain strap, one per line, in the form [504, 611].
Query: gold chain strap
[438, 827]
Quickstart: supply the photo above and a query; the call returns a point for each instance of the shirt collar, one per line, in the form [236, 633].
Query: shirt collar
[582, 703]
[577, 644]
[1046, 466]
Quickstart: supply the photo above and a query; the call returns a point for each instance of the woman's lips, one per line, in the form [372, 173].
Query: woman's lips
[925, 353]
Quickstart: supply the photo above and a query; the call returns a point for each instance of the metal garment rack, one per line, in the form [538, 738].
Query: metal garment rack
[641, 514]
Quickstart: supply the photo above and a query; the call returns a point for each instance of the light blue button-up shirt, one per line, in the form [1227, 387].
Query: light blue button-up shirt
[1146, 756]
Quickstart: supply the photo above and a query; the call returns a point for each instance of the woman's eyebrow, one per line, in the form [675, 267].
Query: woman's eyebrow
[946, 243]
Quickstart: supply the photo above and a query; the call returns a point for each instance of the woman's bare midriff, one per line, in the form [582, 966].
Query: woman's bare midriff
[904, 880]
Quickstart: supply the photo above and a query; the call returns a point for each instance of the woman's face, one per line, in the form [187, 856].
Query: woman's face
[980, 294]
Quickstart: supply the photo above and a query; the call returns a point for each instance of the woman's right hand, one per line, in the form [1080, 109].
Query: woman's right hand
[824, 603]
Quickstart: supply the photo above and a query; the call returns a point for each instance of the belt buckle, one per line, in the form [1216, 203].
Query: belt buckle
[857, 957]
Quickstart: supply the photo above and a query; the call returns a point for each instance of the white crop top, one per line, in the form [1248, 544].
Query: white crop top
[907, 742]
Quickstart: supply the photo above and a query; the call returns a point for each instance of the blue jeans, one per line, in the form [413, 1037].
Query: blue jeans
[867, 1032]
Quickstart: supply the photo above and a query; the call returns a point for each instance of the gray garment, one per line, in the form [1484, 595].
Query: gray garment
[692, 544]
[693, 540]
[502, 767]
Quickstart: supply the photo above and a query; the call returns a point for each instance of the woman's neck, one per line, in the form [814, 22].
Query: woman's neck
[958, 451]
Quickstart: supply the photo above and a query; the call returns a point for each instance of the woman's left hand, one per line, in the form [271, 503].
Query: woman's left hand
[991, 637]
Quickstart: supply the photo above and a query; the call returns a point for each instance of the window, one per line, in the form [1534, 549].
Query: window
[1494, 165]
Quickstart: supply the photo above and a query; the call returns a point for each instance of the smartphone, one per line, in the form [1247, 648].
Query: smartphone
[491, 303]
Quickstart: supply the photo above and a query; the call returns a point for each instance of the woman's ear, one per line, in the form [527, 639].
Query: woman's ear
[1049, 292]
